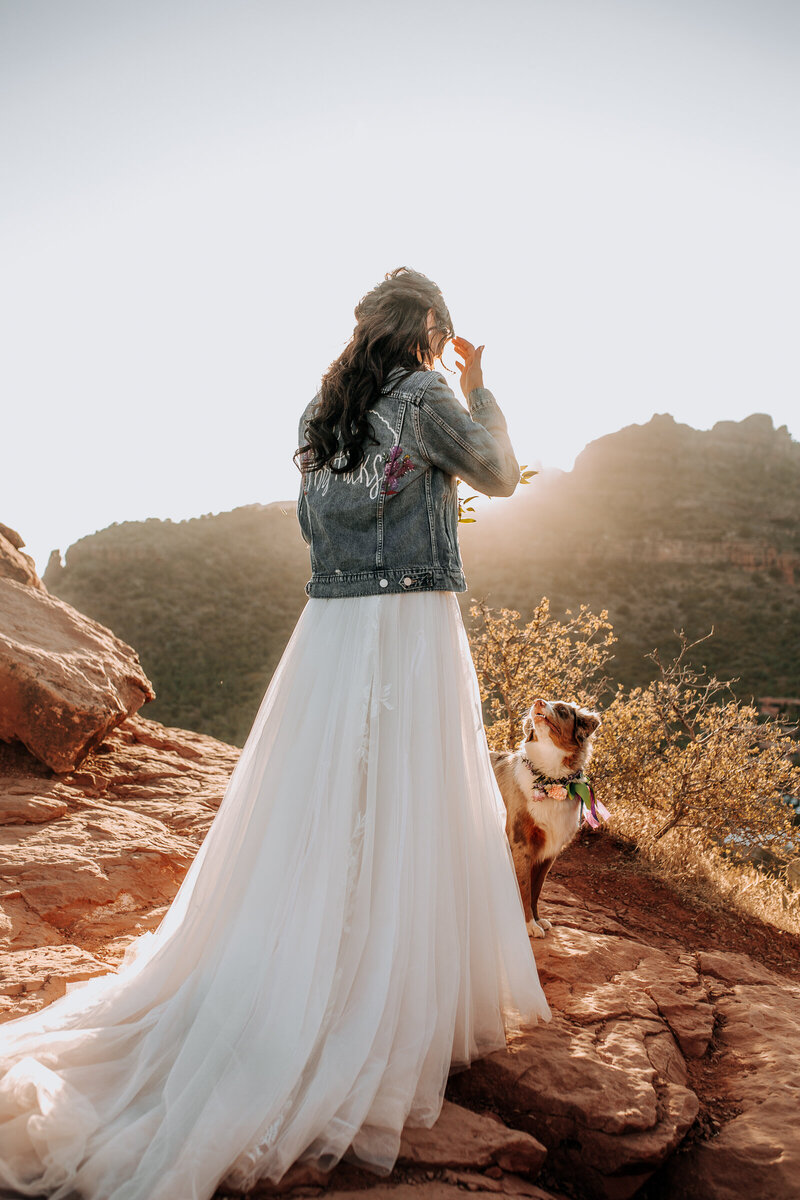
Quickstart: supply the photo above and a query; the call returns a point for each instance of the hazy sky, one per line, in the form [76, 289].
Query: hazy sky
[195, 194]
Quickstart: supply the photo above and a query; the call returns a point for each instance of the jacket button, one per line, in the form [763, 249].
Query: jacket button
[383, 582]
[407, 582]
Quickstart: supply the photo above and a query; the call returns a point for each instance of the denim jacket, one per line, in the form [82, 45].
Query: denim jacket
[391, 524]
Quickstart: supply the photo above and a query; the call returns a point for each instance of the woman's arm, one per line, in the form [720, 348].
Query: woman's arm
[473, 445]
[302, 507]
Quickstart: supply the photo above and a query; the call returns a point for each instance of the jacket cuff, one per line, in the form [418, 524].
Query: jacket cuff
[480, 397]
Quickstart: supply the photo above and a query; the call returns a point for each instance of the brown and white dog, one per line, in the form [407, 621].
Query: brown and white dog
[541, 819]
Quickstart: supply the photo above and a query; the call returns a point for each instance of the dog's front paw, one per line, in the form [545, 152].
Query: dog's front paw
[545, 924]
[534, 928]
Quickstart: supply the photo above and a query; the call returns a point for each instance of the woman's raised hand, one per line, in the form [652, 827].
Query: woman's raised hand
[470, 368]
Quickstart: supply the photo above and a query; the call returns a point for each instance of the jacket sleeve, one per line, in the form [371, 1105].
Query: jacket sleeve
[302, 514]
[301, 428]
[473, 445]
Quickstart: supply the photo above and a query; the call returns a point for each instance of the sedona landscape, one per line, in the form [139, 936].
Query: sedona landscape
[130, 675]
[664, 526]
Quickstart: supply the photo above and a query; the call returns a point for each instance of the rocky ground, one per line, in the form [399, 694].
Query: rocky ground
[670, 1068]
[92, 857]
[669, 1071]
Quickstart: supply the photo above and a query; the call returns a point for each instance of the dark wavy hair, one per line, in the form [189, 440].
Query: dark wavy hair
[391, 331]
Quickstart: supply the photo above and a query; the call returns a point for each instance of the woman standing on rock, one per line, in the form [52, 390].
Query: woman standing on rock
[350, 930]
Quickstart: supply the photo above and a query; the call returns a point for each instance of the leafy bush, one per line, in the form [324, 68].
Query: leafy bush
[698, 758]
[544, 657]
[691, 774]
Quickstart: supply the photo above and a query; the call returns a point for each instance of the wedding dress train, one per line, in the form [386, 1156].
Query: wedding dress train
[349, 931]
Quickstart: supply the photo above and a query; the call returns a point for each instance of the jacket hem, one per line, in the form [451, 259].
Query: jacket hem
[383, 582]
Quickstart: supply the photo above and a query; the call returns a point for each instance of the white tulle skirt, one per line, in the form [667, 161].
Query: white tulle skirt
[349, 931]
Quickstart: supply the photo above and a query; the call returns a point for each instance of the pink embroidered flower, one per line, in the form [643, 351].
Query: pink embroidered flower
[397, 465]
[557, 792]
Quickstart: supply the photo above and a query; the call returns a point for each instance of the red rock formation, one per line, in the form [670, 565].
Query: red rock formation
[752, 556]
[608, 1090]
[462, 1137]
[757, 1152]
[604, 1085]
[14, 562]
[92, 857]
[776, 706]
[11, 536]
[65, 680]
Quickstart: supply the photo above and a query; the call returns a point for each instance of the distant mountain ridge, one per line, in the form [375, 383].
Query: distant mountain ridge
[666, 526]
[663, 525]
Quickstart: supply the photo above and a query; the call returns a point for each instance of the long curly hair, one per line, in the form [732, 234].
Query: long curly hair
[391, 331]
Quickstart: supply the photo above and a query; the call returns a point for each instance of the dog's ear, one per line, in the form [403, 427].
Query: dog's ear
[586, 724]
[527, 728]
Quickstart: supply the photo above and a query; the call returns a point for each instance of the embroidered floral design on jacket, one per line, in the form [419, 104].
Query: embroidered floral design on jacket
[397, 465]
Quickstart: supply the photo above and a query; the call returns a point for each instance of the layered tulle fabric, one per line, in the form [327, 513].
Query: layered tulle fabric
[349, 931]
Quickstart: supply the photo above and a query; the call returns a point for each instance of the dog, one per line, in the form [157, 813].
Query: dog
[541, 815]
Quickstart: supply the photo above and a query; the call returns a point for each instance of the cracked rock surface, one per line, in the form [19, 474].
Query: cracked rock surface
[91, 858]
[604, 1085]
[757, 1152]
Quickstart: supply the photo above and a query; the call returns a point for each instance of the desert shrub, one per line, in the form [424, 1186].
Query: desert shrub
[698, 758]
[690, 773]
[516, 662]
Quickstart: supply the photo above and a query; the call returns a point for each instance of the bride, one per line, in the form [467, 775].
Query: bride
[350, 930]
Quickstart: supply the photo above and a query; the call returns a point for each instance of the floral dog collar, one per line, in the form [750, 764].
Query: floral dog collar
[574, 787]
